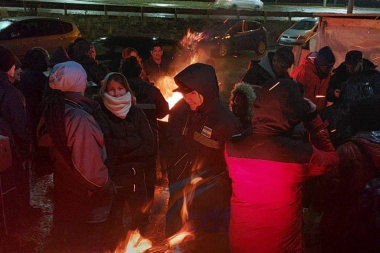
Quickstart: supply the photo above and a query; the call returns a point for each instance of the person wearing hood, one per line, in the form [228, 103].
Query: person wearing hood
[198, 162]
[314, 73]
[268, 167]
[241, 103]
[129, 142]
[273, 65]
[83, 191]
[351, 221]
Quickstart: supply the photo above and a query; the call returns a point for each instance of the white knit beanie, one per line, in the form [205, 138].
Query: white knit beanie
[68, 76]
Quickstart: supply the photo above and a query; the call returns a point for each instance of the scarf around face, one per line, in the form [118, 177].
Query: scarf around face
[119, 106]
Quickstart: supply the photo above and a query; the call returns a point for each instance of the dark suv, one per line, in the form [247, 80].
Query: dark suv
[20, 34]
[232, 35]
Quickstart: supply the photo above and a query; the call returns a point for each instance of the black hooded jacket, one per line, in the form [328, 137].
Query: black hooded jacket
[206, 129]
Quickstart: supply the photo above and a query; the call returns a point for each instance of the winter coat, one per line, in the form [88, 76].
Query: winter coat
[129, 143]
[154, 71]
[351, 223]
[82, 188]
[205, 130]
[12, 111]
[315, 88]
[199, 154]
[268, 168]
[150, 99]
[33, 85]
[356, 86]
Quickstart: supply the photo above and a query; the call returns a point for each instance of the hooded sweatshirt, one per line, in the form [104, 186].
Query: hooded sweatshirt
[208, 127]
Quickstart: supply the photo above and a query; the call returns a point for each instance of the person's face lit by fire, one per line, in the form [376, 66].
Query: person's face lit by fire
[157, 53]
[115, 89]
[193, 99]
[239, 106]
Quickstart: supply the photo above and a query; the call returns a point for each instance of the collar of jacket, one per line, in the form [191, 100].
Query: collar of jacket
[85, 103]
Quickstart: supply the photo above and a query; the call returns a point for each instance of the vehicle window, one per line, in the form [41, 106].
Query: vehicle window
[66, 27]
[252, 26]
[51, 27]
[304, 25]
[236, 28]
[27, 29]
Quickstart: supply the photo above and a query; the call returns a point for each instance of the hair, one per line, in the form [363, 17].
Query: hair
[130, 67]
[156, 44]
[118, 77]
[36, 59]
[127, 52]
[285, 55]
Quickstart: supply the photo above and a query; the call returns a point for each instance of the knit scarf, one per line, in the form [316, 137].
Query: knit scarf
[119, 106]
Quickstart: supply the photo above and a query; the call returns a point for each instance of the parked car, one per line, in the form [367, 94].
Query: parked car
[231, 36]
[20, 34]
[299, 33]
[240, 4]
[109, 49]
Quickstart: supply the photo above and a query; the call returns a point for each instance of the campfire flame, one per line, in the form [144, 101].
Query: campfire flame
[186, 233]
[134, 243]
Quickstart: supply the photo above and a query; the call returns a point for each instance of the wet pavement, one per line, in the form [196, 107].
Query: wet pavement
[34, 236]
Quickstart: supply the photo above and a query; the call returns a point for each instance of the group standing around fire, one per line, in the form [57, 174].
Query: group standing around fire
[241, 178]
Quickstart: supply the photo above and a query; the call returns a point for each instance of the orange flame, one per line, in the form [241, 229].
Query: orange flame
[186, 232]
[134, 243]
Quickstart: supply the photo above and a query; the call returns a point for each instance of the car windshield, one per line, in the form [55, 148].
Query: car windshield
[304, 25]
[4, 24]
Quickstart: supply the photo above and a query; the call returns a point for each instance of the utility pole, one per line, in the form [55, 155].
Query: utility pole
[324, 3]
[350, 6]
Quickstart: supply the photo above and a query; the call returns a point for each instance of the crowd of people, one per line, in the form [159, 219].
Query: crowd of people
[251, 176]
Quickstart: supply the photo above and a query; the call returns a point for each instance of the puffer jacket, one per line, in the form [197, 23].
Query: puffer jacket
[128, 141]
[350, 223]
[268, 168]
[315, 88]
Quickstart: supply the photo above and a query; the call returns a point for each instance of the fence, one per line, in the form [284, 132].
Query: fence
[142, 11]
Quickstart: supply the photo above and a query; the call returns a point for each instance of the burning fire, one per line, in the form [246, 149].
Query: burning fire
[134, 243]
[186, 232]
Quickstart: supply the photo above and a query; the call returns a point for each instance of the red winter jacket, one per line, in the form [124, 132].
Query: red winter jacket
[315, 88]
[268, 168]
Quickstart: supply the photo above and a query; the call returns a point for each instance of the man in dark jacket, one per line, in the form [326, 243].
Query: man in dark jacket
[150, 99]
[274, 64]
[267, 168]
[199, 163]
[14, 187]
